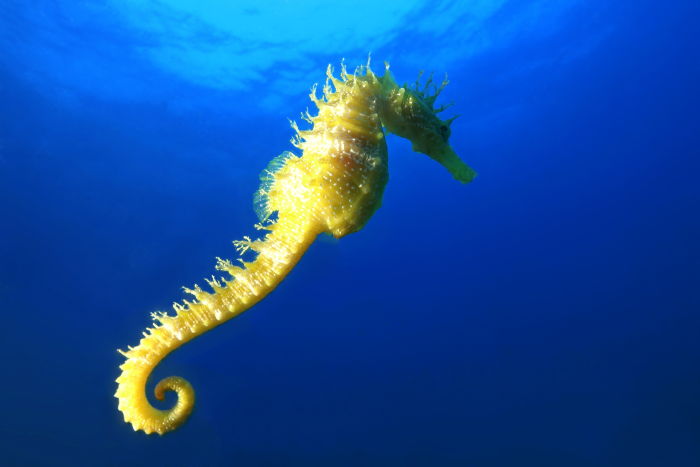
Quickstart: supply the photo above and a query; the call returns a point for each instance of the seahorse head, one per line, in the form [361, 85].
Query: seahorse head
[409, 112]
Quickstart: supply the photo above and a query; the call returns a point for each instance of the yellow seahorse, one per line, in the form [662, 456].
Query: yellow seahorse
[334, 187]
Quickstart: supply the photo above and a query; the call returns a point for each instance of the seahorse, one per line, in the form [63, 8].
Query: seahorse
[334, 186]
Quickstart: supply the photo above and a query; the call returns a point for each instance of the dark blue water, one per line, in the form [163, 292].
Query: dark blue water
[545, 315]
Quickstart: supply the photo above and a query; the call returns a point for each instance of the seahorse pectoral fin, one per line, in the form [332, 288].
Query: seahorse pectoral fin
[446, 156]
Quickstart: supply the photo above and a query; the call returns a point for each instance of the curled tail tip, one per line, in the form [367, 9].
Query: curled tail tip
[138, 411]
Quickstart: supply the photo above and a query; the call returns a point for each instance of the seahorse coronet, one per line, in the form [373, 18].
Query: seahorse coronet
[334, 186]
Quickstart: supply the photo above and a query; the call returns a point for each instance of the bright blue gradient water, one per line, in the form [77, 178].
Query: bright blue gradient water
[546, 314]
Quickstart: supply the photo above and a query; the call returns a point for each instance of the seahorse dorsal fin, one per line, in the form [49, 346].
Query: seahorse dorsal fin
[267, 179]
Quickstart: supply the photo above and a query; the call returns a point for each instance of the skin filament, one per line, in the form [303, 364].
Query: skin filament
[334, 186]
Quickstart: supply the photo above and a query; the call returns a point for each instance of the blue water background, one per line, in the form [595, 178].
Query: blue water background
[545, 315]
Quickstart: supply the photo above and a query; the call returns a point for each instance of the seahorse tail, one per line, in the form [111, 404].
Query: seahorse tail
[131, 392]
[278, 252]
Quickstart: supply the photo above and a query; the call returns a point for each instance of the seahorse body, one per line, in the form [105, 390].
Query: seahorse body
[334, 187]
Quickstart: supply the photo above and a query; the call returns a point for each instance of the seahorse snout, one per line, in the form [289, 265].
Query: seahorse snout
[445, 155]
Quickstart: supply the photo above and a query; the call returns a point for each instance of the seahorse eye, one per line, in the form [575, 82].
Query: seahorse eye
[444, 131]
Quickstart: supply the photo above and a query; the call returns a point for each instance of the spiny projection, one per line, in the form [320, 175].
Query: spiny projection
[333, 186]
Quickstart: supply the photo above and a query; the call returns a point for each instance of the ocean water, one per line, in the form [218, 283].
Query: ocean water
[547, 314]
